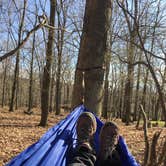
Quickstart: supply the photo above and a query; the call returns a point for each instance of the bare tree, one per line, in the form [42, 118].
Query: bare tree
[16, 71]
[47, 68]
[142, 46]
[61, 10]
[31, 81]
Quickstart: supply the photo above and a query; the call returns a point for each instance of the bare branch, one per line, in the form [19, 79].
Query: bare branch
[42, 20]
[121, 5]
[133, 64]
[146, 154]
[143, 48]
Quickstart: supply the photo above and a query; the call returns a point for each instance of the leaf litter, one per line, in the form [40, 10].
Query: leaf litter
[19, 130]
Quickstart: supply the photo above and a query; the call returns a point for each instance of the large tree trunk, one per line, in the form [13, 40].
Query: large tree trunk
[47, 68]
[91, 55]
[16, 71]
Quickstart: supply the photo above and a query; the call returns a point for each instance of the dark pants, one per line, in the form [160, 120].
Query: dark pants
[86, 157]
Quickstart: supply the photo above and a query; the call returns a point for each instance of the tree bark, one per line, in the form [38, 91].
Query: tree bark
[47, 68]
[91, 55]
[51, 93]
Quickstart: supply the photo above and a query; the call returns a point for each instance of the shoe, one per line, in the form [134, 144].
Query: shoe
[86, 128]
[108, 139]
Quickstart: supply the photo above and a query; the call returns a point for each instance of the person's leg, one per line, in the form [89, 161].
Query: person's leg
[108, 142]
[85, 154]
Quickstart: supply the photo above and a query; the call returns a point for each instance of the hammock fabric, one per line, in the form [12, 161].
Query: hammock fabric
[54, 148]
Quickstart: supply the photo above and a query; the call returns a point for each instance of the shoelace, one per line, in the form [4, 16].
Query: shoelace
[109, 144]
[84, 134]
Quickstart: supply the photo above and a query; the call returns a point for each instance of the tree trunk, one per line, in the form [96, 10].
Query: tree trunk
[47, 68]
[91, 55]
[4, 83]
[30, 101]
[4, 87]
[129, 83]
[106, 89]
[16, 71]
[107, 70]
[68, 94]
[137, 91]
[51, 93]
[143, 99]
[121, 92]
[130, 58]
[106, 86]
[61, 26]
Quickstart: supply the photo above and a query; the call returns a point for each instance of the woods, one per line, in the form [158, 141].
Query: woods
[108, 55]
[132, 58]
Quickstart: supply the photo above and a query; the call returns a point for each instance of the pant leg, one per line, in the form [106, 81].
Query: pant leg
[113, 160]
[83, 157]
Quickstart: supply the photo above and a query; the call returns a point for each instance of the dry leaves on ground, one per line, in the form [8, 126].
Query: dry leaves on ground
[18, 131]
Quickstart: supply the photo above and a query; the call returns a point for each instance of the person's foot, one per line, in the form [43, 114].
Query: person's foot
[86, 128]
[109, 136]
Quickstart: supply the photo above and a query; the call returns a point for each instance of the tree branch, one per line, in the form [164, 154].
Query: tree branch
[146, 154]
[153, 157]
[162, 156]
[133, 64]
[142, 48]
[42, 22]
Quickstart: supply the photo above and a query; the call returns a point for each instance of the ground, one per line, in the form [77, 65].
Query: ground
[18, 131]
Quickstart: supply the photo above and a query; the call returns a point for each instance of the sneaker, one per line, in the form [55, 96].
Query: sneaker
[86, 128]
[109, 136]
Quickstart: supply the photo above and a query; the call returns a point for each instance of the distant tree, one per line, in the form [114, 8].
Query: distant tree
[62, 8]
[31, 80]
[141, 44]
[15, 86]
[107, 67]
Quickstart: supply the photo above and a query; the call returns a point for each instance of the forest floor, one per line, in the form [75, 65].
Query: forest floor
[18, 131]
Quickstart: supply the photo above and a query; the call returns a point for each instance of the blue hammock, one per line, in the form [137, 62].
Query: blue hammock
[53, 149]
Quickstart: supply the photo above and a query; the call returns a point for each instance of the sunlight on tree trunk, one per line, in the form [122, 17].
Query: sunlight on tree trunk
[91, 55]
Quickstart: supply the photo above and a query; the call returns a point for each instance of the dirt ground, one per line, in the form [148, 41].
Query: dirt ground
[18, 131]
